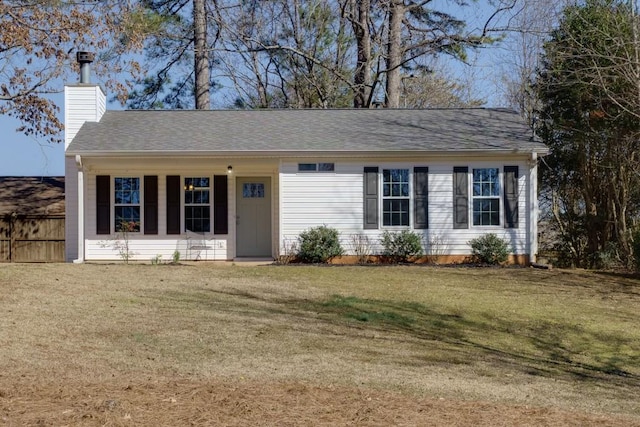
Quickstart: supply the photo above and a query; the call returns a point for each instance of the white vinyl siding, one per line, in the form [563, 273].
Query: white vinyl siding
[202, 246]
[315, 199]
[145, 247]
[336, 200]
[83, 103]
[300, 200]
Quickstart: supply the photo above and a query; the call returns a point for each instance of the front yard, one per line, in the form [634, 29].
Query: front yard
[299, 345]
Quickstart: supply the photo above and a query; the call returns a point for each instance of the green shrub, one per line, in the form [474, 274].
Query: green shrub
[401, 246]
[319, 244]
[489, 249]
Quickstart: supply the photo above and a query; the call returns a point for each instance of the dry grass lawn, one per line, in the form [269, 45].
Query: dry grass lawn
[212, 344]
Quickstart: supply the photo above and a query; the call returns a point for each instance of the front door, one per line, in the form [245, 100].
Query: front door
[253, 217]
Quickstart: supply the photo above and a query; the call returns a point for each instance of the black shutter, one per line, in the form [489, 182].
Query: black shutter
[220, 205]
[511, 196]
[173, 204]
[150, 204]
[421, 197]
[370, 198]
[103, 204]
[460, 197]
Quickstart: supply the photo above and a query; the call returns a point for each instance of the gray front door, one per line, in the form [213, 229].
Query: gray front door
[253, 217]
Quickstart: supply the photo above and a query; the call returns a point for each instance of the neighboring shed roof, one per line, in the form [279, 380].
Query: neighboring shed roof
[287, 130]
[27, 195]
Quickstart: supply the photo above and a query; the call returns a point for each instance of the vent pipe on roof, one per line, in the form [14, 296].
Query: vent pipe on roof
[85, 59]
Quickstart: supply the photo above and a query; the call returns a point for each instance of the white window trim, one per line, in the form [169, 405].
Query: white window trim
[183, 204]
[381, 169]
[500, 196]
[316, 170]
[113, 203]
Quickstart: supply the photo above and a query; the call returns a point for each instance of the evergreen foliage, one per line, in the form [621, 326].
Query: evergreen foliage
[401, 246]
[489, 249]
[319, 244]
[589, 87]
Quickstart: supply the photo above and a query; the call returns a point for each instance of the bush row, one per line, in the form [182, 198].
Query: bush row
[321, 244]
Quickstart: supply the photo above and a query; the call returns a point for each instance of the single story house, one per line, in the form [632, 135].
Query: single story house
[228, 184]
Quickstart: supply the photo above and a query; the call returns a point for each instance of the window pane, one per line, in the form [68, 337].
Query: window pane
[197, 218]
[127, 218]
[486, 182]
[127, 191]
[395, 212]
[486, 192]
[253, 190]
[486, 212]
[196, 191]
[119, 197]
[127, 204]
[395, 192]
[326, 167]
[306, 167]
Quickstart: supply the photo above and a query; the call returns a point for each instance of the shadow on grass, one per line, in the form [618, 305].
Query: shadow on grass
[533, 346]
[542, 348]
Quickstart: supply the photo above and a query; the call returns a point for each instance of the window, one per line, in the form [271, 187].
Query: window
[316, 167]
[127, 204]
[326, 167]
[307, 167]
[253, 190]
[395, 197]
[486, 196]
[197, 212]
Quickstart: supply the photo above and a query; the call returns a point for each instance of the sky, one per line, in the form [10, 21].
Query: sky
[22, 155]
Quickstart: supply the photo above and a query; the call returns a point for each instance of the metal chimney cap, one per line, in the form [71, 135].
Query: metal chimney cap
[85, 57]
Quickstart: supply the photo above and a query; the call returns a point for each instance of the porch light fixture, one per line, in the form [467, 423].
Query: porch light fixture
[229, 169]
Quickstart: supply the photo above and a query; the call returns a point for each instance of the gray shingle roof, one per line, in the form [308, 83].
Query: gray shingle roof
[364, 130]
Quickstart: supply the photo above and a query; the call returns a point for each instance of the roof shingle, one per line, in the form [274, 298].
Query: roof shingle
[287, 130]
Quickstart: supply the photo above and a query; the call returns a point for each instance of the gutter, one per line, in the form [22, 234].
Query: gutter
[80, 194]
[304, 153]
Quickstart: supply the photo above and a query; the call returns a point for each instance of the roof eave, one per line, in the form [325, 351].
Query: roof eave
[540, 151]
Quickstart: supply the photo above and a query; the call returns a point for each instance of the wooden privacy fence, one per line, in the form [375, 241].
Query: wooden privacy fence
[32, 238]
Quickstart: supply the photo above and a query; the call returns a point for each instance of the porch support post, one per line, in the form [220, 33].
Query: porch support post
[533, 212]
[80, 212]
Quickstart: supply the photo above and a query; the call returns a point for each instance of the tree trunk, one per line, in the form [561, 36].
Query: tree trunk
[202, 75]
[362, 77]
[394, 54]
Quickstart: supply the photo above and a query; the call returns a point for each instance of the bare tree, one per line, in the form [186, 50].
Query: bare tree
[37, 39]
[178, 55]
[358, 13]
[527, 25]
[287, 53]
[588, 90]
[201, 56]
[434, 90]
[308, 51]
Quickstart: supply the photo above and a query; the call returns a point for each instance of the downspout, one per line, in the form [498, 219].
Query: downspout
[80, 210]
[533, 212]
